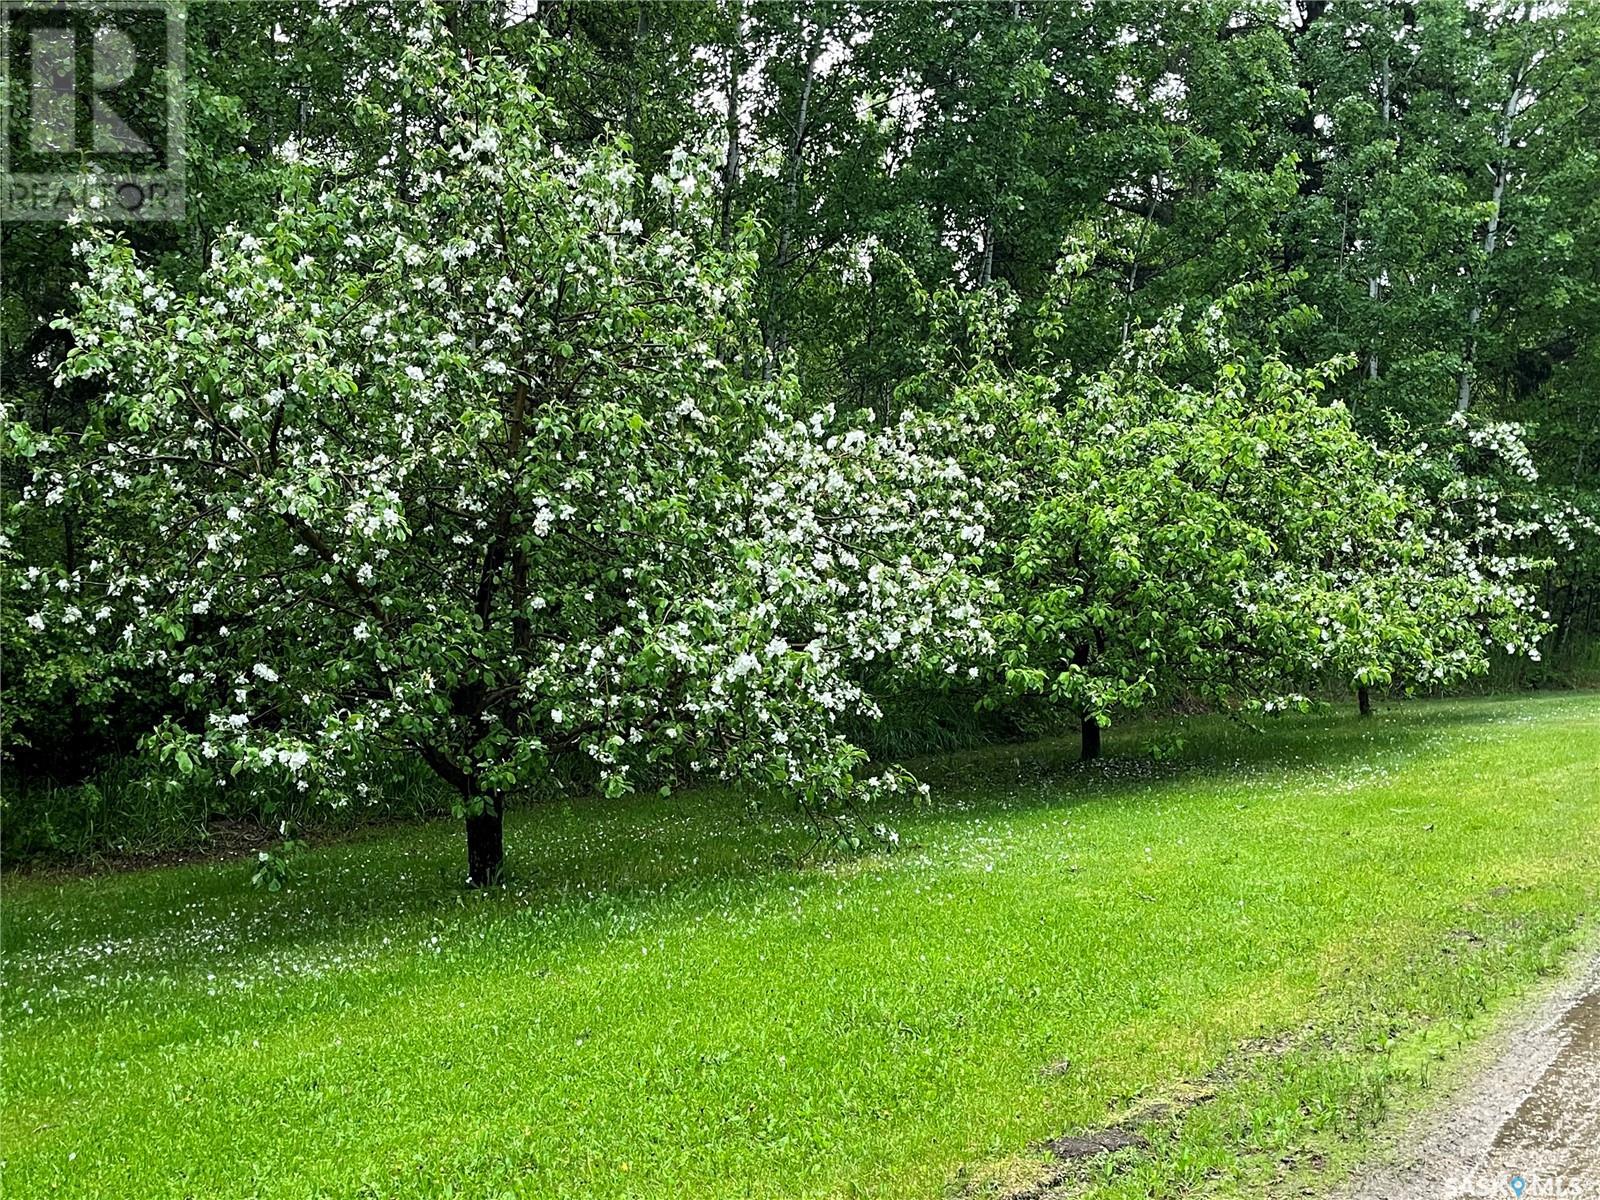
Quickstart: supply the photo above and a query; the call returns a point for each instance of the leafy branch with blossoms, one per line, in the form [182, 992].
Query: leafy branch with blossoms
[450, 465]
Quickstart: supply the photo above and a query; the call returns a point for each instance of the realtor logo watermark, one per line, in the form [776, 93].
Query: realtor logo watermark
[92, 112]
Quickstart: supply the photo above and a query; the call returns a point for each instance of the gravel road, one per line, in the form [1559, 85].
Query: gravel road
[1526, 1125]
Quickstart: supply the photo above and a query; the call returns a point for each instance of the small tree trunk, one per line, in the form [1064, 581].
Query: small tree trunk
[730, 162]
[774, 335]
[1091, 739]
[986, 275]
[486, 854]
[1364, 701]
[1372, 280]
[1133, 267]
[1490, 237]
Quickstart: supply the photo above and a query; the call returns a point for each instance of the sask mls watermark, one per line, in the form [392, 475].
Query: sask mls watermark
[1520, 1185]
[91, 119]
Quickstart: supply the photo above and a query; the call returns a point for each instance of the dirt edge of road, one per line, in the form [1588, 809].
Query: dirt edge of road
[1520, 1116]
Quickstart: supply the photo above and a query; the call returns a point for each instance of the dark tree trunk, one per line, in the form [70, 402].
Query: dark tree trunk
[1091, 739]
[730, 162]
[486, 855]
[1364, 701]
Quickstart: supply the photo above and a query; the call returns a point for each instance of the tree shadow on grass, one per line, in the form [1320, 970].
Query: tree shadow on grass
[639, 850]
[1048, 772]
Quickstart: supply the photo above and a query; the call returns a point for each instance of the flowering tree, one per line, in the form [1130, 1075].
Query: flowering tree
[1425, 598]
[447, 462]
[1128, 533]
[1190, 522]
[1193, 522]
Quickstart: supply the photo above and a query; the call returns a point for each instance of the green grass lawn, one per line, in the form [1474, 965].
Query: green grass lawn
[1284, 931]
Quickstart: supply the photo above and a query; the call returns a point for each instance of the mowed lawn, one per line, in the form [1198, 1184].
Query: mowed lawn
[1282, 930]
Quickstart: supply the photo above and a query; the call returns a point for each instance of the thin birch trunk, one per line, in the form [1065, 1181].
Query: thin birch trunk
[791, 200]
[730, 162]
[1490, 236]
[987, 273]
[1372, 280]
[1133, 267]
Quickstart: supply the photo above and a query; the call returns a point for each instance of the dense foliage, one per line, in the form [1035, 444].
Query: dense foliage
[618, 394]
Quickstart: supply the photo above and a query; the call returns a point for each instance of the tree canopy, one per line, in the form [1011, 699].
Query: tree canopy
[621, 394]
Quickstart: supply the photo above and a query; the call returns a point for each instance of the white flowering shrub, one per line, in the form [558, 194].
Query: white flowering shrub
[449, 463]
